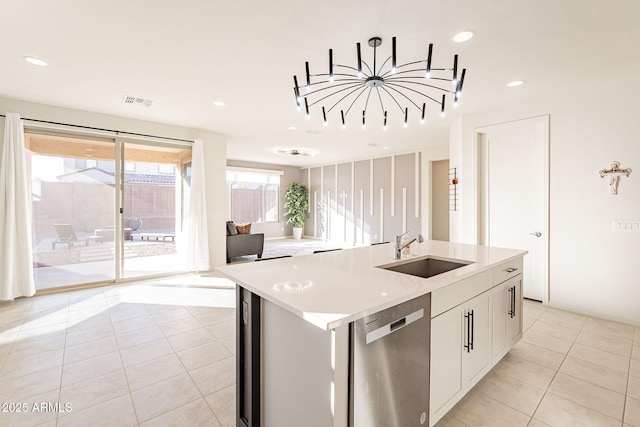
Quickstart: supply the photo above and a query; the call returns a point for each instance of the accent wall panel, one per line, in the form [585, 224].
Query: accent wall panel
[365, 201]
[343, 224]
[315, 199]
[361, 184]
[405, 194]
[382, 201]
[328, 206]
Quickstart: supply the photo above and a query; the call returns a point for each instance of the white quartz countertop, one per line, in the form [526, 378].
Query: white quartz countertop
[331, 289]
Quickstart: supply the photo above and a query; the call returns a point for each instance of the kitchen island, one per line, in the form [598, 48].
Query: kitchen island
[296, 330]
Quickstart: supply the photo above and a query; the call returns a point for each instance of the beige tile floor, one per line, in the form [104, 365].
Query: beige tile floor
[137, 355]
[161, 354]
[568, 370]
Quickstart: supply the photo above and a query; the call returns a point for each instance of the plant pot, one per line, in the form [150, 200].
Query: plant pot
[297, 232]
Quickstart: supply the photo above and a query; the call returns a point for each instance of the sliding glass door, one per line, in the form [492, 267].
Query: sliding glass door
[152, 201]
[105, 209]
[73, 192]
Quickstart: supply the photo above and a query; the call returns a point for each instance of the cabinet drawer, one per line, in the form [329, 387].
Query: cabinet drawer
[507, 270]
[444, 299]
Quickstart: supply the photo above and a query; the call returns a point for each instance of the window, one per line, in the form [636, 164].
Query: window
[253, 195]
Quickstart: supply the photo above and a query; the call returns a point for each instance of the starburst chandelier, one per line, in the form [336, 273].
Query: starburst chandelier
[404, 88]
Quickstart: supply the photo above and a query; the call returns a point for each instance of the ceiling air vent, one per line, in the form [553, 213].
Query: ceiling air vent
[137, 101]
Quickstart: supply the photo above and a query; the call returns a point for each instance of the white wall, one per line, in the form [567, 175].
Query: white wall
[592, 269]
[215, 152]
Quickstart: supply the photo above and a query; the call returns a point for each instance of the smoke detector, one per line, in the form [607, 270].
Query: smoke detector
[134, 100]
[299, 152]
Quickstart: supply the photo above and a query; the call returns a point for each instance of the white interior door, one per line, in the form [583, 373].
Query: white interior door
[513, 165]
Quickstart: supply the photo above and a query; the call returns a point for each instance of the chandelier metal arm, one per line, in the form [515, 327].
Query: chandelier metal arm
[383, 64]
[414, 70]
[350, 68]
[390, 82]
[351, 86]
[399, 92]
[368, 67]
[366, 104]
[380, 98]
[334, 74]
[354, 101]
[392, 97]
[390, 79]
[420, 70]
[412, 90]
[313, 92]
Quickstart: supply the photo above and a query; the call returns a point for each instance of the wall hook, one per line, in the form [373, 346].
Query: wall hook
[614, 176]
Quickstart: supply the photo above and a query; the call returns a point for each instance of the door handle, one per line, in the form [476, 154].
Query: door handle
[537, 234]
[512, 302]
[472, 328]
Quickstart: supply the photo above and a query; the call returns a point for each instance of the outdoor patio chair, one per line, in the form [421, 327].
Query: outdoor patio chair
[67, 236]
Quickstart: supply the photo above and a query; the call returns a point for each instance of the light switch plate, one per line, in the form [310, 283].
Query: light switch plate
[626, 225]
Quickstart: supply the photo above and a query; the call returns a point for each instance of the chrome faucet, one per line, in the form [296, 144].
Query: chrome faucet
[400, 246]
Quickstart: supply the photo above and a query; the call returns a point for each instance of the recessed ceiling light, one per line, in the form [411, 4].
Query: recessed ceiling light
[463, 36]
[292, 128]
[35, 61]
[515, 83]
[218, 103]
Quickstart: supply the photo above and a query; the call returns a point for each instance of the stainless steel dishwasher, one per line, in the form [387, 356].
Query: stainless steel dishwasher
[389, 374]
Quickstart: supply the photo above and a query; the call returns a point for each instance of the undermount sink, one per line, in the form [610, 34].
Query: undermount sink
[425, 267]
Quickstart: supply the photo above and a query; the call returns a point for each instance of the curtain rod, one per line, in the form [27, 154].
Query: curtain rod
[104, 130]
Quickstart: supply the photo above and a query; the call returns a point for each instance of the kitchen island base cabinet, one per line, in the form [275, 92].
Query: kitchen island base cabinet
[304, 371]
[297, 333]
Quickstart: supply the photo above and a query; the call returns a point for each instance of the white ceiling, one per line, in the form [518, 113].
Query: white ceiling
[184, 55]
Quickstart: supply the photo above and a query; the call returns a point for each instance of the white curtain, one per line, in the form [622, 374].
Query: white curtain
[16, 254]
[197, 234]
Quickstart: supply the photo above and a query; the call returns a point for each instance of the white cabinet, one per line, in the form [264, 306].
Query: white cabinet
[446, 360]
[506, 316]
[470, 333]
[476, 340]
[500, 306]
[460, 340]
[514, 320]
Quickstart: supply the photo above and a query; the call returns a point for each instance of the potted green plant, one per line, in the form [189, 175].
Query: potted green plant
[296, 205]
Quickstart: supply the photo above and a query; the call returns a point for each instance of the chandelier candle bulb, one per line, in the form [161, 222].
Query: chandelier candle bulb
[424, 107]
[441, 109]
[306, 65]
[296, 88]
[297, 99]
[343, 122]
[324, 117]
[385, 121]
[406, 115]
[454, 80]
[393, 55]
[331, 65]
[306, 107]
[461, 82]
[429, 60]
[363, 122]
[359, 60]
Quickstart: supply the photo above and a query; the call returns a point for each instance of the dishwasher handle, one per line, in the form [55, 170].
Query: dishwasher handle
[394, 326]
